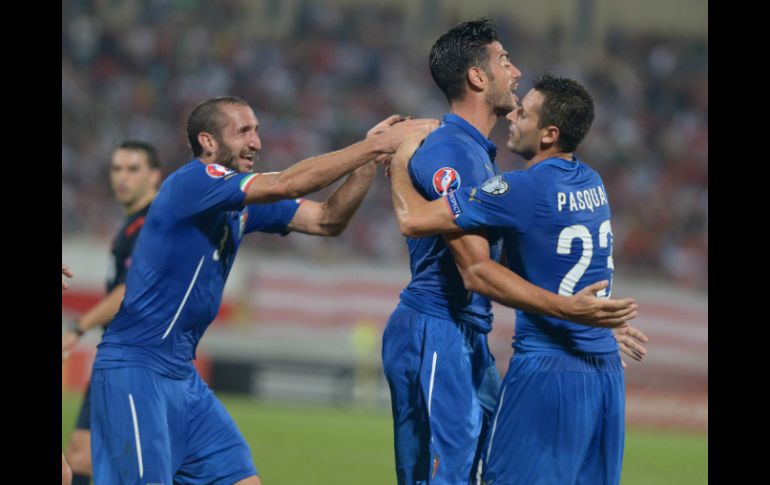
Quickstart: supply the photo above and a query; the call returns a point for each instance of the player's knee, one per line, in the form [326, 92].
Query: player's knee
[79, 458]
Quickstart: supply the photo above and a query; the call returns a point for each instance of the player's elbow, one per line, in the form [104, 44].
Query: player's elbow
[407, 228]
[410, 226]
[472, 282]
[473, 279]
[332, 229]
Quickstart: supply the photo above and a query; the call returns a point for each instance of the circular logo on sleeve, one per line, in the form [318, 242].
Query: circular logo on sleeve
[497, 185]
[217, 171]
[446, 180]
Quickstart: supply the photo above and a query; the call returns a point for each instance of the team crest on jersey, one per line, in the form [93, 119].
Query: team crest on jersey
[446, 180]
[495, 186]
[217, 171]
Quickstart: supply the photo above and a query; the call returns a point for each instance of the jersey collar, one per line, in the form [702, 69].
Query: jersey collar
[561, 163]
[471, 130]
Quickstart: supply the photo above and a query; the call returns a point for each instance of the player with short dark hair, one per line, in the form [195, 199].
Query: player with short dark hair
[560, 411]
[442, 377]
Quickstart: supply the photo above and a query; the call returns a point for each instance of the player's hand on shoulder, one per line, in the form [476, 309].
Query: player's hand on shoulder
[384, 125]
[394, 136]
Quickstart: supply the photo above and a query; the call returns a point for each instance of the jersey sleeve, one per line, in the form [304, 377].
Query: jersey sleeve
[272, 217]
[504, 201]
[210, 188]
[439, 170]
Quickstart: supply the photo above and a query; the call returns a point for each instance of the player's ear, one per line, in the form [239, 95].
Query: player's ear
[550, 135]
[477, 78]
[207, 142]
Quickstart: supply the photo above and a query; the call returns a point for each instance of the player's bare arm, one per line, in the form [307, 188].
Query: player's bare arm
[100, 314]
[331, 217]
[482, 275]
[416, 217]
[315, 173]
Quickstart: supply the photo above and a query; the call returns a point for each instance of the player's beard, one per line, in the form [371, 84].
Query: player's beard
[519, 148]
[500, 100]
[224, 156]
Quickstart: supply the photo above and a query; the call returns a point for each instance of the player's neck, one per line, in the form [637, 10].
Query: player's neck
[476, 113]
[550, 153]
[139, 203]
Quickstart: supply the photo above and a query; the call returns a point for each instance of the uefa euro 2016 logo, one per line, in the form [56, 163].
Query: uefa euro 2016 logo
[446, 180]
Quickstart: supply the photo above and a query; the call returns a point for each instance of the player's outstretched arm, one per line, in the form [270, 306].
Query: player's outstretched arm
[331, 217]
[483, 276]
[416, 216]
[315, 173]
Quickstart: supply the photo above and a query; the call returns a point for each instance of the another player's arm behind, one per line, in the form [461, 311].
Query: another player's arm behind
[100, 314]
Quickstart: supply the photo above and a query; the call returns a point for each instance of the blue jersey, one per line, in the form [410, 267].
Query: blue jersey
[180, 264]
[555, 218]
[454, 155]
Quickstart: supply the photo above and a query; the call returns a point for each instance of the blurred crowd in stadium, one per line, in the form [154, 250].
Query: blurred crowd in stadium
[138, 72]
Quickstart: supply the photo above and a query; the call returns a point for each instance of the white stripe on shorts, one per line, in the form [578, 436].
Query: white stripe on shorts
[136, 435]
[432, 377]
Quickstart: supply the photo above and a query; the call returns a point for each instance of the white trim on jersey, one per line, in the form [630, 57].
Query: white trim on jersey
[184, 300]
[136, 435]
[432, 376]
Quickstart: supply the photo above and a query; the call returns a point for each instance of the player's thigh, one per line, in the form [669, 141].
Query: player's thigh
[604, 459]
[217, 451]
[486, 378]
[402, 344]
[451, 376]
[131, 433]
[84, 416]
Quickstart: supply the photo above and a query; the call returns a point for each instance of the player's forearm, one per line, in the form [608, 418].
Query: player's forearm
[506, 287]
[312, 174]
[340, 207]
[104, 311]
[405, 197]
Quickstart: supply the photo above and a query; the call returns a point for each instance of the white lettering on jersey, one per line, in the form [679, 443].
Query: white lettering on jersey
[588, 199]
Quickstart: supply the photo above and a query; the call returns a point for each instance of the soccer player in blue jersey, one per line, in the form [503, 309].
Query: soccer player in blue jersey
[442, 377]
[134, 178]
[560, 411]
[153, 419]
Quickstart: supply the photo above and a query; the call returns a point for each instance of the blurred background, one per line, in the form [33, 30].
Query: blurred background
[302, 316]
